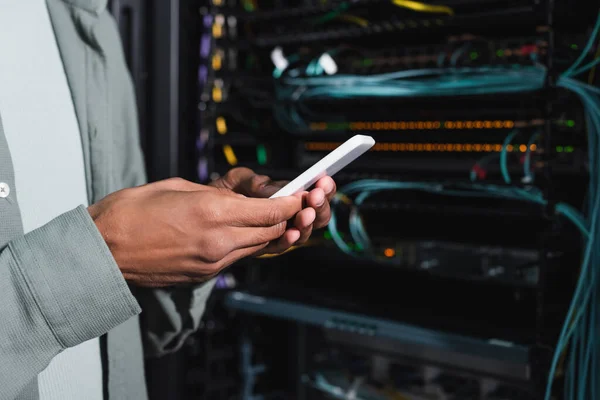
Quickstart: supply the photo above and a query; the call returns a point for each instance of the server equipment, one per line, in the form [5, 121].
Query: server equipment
[460, 262]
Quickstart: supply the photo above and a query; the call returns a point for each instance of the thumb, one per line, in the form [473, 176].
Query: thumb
[253, 212]
[266, 189]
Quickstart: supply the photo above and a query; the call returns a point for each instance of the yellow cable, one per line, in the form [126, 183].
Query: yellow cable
[343, 198]
[593, 71]
[422, 7]
[230, 155]
[354, 19]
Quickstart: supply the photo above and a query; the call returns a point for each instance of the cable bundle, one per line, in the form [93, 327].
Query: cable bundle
[580, 333]
[363, 189]
[577, 346]
[435, 82]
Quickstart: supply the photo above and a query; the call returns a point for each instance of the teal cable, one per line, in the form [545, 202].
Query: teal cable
[587, 66]
[593, 107]
[586, 49]
[504, 156]
[335, 235]
[527, 171]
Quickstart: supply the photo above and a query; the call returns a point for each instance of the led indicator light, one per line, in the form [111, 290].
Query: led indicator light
[261, 154]
[221, 125]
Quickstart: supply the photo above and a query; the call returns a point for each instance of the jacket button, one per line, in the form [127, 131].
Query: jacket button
[4, 189]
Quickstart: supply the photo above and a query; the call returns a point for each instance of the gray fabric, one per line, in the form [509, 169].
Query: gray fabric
[57, 283]
[56, 296]
[58, 173]
[11, 225]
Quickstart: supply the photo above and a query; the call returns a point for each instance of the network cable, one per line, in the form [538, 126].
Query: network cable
[504, 156]
[527, 170]
[582, 324]
[581, 328]
[293, 92]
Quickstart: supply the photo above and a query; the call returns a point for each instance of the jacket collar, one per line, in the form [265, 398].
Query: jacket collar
[93, 6]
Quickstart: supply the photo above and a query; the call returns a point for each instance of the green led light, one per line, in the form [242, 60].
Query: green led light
[261, 154]
[474, 55]
[569, 149]
[499, 53]
[570, 123]
[327, 235]
[367, 62]
[338, 126]
[248, 6]
[574, 46]
[560, 149]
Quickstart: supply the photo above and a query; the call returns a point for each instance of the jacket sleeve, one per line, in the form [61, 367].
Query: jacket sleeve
[169, 315]
[53, 296]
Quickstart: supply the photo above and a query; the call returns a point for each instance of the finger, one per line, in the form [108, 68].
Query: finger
[304, 223]
[269, 188]
[251, 212]
[287, 240]
[260, 186]
[318, 200]
[242, 237]
[327, 184]
[252, 185]
[247, 182]
[233, 178]
[304, 219]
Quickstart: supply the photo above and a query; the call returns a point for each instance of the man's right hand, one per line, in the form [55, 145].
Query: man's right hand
[175, 231]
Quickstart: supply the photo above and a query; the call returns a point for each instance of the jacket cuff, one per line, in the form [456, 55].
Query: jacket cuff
[74, 278]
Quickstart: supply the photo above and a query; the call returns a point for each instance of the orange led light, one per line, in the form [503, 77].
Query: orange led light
[221, 125]
[416, 125]
[217, 94]
[389, 252]
[427, 147]
[217, 30]
[217, 62]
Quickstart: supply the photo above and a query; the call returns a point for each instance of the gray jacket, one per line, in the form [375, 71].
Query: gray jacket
[59, 285]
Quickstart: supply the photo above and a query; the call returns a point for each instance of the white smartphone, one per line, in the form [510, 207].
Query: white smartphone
[329, 165]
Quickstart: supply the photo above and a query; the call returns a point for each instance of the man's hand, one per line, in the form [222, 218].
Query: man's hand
[175, 231]
[316, 210]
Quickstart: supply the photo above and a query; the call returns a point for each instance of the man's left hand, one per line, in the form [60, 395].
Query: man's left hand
[315, 215]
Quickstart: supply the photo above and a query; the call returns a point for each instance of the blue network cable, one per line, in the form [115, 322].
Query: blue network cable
[572, 70]
[579, 334]
[577, 342]
[504, 156]
[292, 92]
[363, 189]
[527, 172]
